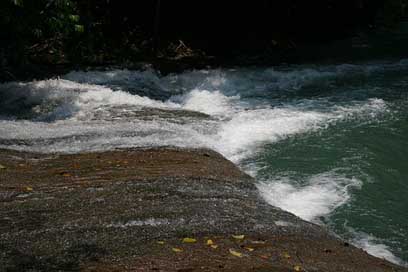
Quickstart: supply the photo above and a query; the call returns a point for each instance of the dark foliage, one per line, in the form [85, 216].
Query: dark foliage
[59, 31]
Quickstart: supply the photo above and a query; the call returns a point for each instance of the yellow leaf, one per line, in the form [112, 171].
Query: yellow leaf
[249, 249]
[214, 246]
[235, 253]
[238, 237]
[210, 242]
[2, 167]
[161, 242]
[189, 240]
[28, 188]
[297, 268]
[286, 255]
[176, 249]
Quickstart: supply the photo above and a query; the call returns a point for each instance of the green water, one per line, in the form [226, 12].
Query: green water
[368, 155]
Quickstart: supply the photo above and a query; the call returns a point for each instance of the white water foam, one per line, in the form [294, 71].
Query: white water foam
[78, 115]
[235, 132]
[318, 196]
[61, 99]
[374, 246]
[233, 81]
[209, 102]
[247, 131]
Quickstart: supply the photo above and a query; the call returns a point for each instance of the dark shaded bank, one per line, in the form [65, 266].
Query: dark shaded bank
[40, 37]
[129, 210]
[376, 45]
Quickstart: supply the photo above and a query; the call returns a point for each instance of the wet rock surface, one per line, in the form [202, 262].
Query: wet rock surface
[129, 210]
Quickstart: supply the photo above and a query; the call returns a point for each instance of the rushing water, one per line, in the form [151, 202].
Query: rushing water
[326, 142]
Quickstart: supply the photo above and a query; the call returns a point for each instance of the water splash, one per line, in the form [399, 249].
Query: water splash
[318, 196]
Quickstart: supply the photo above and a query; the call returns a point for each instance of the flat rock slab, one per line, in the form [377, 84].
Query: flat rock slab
[129, 210]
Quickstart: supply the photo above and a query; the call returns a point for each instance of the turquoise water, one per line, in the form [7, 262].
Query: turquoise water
[326, 142]
[373, 152]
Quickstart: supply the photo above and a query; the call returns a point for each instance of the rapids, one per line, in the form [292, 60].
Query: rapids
[328, 143]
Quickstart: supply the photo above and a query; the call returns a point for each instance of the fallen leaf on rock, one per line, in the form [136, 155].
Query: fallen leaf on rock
[297, 268]
[214, 246]
[161, 242]
[250, 249]
[235, 253]
[210, 242]
[176, 249]
[189, 240]
[28, 188]
[2, 167]
[238, 237]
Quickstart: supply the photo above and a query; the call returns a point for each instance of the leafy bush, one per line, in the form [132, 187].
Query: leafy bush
[27, 25]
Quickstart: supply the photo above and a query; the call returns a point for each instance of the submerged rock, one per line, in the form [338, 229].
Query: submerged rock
[135, 209]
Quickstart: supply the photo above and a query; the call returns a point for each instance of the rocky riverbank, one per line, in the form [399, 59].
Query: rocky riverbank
[161, 209]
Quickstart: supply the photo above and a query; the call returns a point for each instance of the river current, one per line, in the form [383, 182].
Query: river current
[328, 143]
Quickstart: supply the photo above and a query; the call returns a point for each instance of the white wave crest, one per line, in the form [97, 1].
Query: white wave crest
[81, 111]
[317, 197]
[209, 102]
[374, 246]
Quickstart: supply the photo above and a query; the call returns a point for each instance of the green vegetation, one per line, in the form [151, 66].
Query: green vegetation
[39, 27]
[105, 31]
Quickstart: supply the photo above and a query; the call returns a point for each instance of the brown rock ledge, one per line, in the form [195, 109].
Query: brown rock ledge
[128, 210]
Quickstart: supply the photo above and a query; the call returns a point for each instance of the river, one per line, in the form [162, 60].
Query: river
[328, 143]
